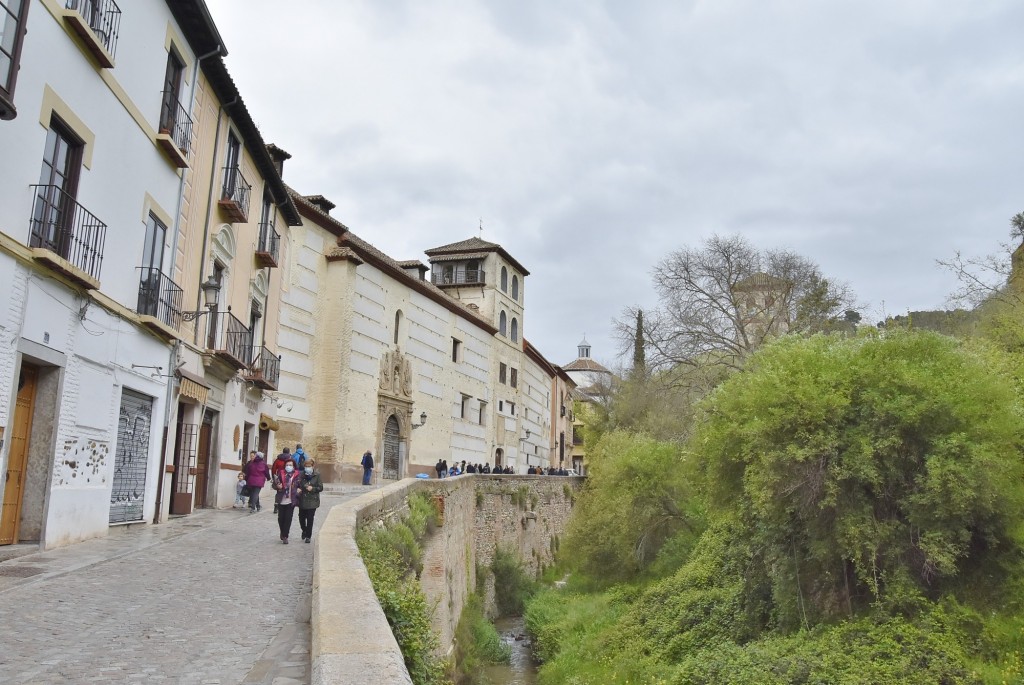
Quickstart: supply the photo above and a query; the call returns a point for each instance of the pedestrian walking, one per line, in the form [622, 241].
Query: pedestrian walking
[439, 469]
[240, 491]
[286, 482]
[367, 466]
[310, 487]
[279, 462]
[256, 476]
[300, 457]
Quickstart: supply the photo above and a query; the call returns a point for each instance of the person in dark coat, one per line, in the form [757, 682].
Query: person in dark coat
[367, 466]
[310, 487]
[439, 468]
[286, 482]
[256, 476]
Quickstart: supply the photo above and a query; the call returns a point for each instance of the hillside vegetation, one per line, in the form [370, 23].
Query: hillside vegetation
[842, 510]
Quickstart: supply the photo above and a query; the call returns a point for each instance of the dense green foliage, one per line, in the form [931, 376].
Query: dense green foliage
[638, 496]
[477, 643]
[392, 558]
[512, 585]
[851, 512]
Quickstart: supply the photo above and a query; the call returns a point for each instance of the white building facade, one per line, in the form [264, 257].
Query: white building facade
[92, 184]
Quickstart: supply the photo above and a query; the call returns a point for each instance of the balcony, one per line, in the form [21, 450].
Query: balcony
[229, 340]
[265, 370]
[66, 236]
[97, 23]
[457, 277]
[159, 304]
[175, 130]
[234, 200]
[267, 249]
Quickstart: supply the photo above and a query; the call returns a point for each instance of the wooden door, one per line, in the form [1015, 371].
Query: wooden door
[17, 458]
[203, 464]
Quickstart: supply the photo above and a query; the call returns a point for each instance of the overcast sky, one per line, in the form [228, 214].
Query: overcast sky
[594, 137]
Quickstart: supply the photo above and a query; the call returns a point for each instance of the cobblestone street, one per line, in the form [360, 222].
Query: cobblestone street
[209, 598]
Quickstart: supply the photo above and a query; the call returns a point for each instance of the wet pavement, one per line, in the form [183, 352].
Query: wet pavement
[210, 598]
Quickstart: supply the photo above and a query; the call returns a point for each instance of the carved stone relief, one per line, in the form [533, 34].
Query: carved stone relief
[396, 374]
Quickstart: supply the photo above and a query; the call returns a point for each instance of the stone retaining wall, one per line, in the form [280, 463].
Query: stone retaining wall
[479, 513]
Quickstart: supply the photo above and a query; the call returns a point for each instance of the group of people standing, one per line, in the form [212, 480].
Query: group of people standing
[298, 485]
[458, 468]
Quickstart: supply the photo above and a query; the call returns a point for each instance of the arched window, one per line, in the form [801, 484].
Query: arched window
[515, 329]
[504, 280]
[502, 324]
[398, 324]
[515, 287]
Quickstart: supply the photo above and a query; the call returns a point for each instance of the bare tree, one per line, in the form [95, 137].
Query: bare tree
[986, 279]
[722, 300]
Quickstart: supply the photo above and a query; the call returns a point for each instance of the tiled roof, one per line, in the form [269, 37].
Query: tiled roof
[310, 209]
[584, 365]
[458, 257]
[409, 263]
[368, 251]
[464, 245]
[472, 246]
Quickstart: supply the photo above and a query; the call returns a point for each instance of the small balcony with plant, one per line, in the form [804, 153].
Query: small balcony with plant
[97, 23]
[265, 369]
[66, 236]
[234, 199]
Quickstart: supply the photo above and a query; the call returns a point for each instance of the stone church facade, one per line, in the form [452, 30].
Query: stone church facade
[414, 362]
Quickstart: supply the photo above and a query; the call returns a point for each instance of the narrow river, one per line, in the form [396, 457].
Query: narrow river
[521, 670]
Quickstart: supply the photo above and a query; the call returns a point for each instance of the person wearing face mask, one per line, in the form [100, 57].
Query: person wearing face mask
[286, 482]
[310, 487]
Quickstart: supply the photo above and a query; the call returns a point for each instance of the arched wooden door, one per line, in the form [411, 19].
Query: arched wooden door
[390, 461]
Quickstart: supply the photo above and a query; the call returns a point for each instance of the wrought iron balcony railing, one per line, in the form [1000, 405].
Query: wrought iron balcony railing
[265, 369]
[235, 196]
[458, 277]
[62, 226]
[267, 249]
[103, 17]
[229, 339]
[159, 297]
[175, 121]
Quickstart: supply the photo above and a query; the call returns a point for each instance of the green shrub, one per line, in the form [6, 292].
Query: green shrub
[392, 556]
[477, 643]
[512, 585]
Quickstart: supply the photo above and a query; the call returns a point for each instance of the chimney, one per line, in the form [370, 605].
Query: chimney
[320, 202]
[278, 155]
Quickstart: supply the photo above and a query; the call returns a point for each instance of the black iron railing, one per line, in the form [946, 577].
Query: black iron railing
[265, 366]
[175, 121]
[103, 17]
[269, 239]
[159, 296]
[66, 228]
[229, 336]
[236, 189]
[458, 277]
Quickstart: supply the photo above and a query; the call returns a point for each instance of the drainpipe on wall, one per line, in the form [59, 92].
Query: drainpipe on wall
[172, 359]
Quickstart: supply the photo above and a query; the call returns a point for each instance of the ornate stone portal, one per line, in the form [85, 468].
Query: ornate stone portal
[394, 414]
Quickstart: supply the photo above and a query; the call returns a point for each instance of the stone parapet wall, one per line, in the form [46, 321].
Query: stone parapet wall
[479, 513]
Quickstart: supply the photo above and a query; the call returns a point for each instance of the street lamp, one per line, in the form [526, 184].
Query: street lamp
[423, 420]
[211, 293]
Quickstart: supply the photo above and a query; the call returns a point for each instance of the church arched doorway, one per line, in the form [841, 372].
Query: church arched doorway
[390, 461]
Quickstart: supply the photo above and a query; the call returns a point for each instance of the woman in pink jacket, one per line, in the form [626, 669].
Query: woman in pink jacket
[256, 475]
